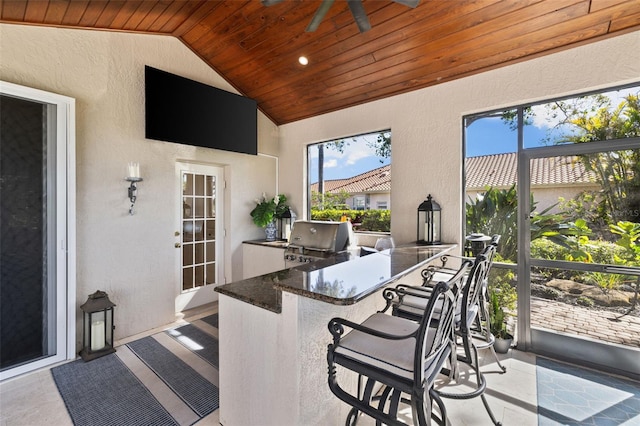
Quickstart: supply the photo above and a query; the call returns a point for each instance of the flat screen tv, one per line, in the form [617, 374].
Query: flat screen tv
[188, 112]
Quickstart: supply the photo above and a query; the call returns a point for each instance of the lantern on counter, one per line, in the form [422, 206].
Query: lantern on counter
[97, 329]
[429, 222]
[285, 224]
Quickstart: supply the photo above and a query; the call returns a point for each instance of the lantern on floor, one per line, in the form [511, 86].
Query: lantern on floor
[285, 223]
[429, 222]
[97, 330]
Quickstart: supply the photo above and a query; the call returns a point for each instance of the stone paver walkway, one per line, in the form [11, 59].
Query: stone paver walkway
[581, 321]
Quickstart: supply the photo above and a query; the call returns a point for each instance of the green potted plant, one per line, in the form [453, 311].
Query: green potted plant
[502, 301]
[267, 211]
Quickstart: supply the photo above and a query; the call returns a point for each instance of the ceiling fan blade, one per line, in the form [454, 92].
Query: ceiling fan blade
[410, 3]
[359, 15]
[270, 2]
[319, 16]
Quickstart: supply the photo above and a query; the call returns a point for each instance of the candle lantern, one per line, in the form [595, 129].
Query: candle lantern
[429, 222]
[285, 223]
[97, 330]
[475, 244]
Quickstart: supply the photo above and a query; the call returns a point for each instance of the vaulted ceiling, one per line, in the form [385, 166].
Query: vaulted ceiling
[256, 48]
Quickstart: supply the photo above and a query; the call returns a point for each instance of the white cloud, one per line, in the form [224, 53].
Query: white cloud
[331, 163]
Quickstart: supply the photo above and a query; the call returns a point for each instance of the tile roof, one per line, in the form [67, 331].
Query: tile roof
[376, 180]
[501, 170]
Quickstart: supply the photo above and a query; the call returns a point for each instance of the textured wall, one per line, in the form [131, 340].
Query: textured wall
[132, 257]
[426, 125]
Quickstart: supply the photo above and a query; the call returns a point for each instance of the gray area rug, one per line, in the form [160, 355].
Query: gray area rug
[207, 345]
[196, 391]
[212, 320]
[104, 392]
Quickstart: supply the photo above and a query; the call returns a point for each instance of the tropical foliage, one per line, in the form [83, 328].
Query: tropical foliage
[496, 212]
[267, 210]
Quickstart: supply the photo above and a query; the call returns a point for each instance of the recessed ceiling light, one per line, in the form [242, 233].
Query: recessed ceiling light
[303, 60]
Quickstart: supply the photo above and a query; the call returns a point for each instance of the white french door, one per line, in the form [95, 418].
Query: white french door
[200, 234]
[37, 229]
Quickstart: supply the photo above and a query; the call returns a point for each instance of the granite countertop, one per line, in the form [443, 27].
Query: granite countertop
[343, 279]
[265, 243]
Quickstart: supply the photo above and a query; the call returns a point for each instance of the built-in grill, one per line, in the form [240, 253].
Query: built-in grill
[314, 240]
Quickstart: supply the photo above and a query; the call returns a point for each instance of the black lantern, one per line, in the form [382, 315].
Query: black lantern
[429, 222]
[97, 330]
[476, 243]
[285, 221]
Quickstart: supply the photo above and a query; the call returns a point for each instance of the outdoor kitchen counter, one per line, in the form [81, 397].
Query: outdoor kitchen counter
[343, 279]
[273, 333]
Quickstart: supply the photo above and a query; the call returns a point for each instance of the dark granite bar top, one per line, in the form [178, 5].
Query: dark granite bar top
[343, 279]
[265, 243]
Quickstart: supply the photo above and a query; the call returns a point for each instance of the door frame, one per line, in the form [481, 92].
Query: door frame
[202, 295]
[61, 116]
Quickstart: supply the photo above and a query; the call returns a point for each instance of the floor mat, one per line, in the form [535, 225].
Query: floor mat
[104, 392]
[199, 342]
[197, 392]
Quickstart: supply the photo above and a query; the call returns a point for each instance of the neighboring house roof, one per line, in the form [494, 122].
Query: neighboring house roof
[376, 180]
[501, 170]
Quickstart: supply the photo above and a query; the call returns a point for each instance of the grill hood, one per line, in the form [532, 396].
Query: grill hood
[319, 235]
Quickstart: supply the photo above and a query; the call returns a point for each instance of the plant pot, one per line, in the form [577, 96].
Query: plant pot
[502, 344]
[271, 231]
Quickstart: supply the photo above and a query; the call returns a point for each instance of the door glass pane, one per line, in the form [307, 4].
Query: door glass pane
[187, 184]
[27, 278]
[198, 260]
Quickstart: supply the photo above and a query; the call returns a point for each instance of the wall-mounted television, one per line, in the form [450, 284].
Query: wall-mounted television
[185, 111]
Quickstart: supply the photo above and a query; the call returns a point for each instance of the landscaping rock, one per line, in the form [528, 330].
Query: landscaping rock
[612, 298]
[568, 286]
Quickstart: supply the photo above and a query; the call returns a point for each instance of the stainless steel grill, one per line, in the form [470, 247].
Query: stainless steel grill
[314, 240]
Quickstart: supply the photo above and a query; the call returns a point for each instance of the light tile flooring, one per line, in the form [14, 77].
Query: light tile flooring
[33, 399]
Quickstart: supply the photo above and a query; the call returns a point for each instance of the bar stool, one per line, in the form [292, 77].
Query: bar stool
[408, 302]
[401, 356]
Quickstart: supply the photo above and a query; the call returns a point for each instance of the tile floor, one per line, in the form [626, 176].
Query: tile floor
[33, 399]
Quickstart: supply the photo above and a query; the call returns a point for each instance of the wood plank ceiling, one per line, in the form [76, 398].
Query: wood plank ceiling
[256, 48]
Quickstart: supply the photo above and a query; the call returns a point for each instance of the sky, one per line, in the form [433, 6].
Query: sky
[486, 136]
[357, 158]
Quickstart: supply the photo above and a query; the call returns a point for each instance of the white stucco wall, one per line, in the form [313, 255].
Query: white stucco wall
[132, 258]
[426, 125]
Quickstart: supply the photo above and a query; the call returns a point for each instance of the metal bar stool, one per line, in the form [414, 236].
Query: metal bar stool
[401, 356]
[408, 302]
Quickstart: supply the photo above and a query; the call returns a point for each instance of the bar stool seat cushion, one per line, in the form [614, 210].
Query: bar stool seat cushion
[393, 356]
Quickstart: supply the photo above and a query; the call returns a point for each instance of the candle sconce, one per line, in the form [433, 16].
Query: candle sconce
[133, 177]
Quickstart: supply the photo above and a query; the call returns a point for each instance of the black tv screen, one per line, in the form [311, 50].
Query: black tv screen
[185, 111]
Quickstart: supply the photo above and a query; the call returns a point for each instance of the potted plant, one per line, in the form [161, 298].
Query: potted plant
[267, 211]
[502, 300]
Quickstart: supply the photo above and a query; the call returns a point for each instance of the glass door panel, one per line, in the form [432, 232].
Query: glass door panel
[199, 235]
[584, 248]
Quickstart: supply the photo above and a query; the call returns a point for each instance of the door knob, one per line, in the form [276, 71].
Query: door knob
[177, 245]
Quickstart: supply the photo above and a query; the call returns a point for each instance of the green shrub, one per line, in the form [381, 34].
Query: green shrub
[368, 220]
[585, 301]
[600, 251]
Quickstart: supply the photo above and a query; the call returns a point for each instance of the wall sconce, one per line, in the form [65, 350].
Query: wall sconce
[429, 222]
[133, 176]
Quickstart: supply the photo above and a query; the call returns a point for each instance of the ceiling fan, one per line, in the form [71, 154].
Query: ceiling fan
[355, 6]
